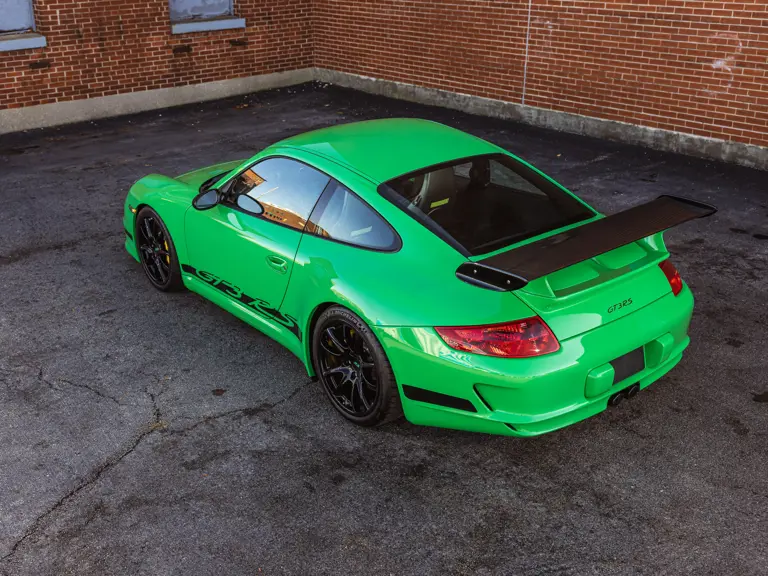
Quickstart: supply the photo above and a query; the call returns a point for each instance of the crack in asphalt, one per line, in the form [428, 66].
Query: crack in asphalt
[42, 378]
[157, 423]
[154, 425]
[250, 411]
[86, 481]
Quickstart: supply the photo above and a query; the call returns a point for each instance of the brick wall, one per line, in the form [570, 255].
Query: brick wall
[699, 67]
[103, 47]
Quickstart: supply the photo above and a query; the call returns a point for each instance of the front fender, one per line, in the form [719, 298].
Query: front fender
[169, 198]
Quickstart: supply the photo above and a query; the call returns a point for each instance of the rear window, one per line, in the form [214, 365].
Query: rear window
[484, 203]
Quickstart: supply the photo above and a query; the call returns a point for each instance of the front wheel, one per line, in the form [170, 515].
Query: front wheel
[157, 252]
[353, 369]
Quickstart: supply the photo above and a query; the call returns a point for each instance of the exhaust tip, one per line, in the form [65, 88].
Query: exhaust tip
[630, 392]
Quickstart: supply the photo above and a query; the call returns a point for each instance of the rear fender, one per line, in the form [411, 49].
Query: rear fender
[385, 290]
[309, 322]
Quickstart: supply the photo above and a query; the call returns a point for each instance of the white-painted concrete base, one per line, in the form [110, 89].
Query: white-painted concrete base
[13, 120]
[16, 119]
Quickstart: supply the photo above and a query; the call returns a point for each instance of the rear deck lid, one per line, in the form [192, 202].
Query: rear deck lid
[591, 274]
[599, 290]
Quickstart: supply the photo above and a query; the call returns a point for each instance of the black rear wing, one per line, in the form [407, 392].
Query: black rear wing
[514, 268]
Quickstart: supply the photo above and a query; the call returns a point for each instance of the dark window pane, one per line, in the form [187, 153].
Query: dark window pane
[484, 203]
[342, 216]
[286, 189]
[16, 15]
[192, 9]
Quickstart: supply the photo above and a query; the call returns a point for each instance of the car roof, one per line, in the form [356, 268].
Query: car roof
[384, 149]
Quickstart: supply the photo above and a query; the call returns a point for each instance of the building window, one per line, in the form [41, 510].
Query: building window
[17, 26]
[199, 9]
[202, 15]
[16, 16]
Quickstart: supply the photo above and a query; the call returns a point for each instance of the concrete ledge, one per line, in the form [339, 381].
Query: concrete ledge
[15, 119]
[667, 140]
[207, 25]
[23, 41]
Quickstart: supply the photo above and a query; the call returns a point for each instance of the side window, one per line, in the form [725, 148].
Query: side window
[341, 215]
[287, 190]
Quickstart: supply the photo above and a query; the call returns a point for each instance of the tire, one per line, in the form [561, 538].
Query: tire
[353, 369]
[157, 251]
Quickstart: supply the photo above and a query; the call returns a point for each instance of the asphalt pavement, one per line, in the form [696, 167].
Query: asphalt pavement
[147, 433]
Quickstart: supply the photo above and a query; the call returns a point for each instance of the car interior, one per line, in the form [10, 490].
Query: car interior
[484, 205]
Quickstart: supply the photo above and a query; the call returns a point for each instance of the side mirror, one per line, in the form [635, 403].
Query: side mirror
[248, 204]
[206, 200]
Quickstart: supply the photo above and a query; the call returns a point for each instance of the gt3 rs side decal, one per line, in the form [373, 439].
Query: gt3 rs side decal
[257, 305]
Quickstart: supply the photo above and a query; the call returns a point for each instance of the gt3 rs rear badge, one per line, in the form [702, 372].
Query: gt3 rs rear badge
[257, 305]
[619, 305]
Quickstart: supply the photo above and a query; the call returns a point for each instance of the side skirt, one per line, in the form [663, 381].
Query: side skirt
[274, 330]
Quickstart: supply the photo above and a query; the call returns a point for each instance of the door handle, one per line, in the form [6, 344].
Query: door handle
[278, 264]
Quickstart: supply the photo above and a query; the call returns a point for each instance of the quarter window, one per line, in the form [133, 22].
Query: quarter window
[340, 215]
[287, 190]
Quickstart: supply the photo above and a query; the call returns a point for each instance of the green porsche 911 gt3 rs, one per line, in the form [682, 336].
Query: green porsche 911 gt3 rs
[416, 269]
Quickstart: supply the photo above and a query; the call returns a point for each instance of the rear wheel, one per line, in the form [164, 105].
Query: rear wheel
[157, 252]
[353, 369]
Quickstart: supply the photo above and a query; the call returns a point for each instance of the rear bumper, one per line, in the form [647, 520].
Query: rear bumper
[527, 397]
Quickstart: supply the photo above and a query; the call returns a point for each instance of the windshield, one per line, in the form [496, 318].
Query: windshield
[484, 203]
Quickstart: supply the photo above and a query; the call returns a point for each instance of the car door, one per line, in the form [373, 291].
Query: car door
[245, 246]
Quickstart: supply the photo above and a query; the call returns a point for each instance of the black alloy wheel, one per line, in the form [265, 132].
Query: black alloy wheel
[156, 250]
[353, 369]
[348, 369]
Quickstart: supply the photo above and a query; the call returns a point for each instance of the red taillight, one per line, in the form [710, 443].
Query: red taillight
[519, 339]
[673, 276]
